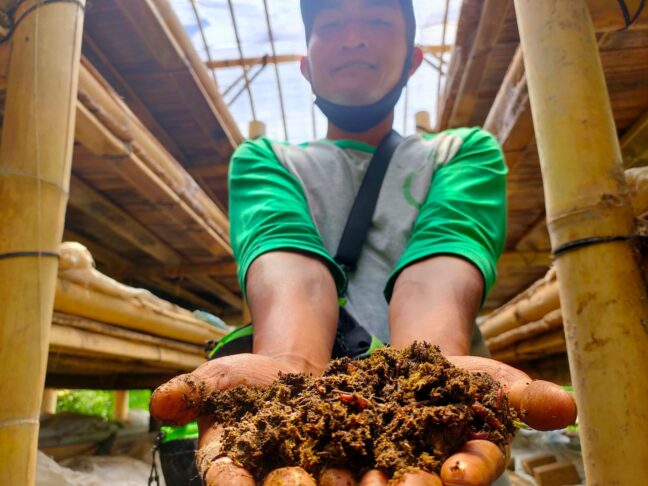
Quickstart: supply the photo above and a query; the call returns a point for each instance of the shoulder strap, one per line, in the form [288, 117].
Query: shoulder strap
[361, 215]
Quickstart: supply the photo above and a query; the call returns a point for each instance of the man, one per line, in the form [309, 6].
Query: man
[429, 257]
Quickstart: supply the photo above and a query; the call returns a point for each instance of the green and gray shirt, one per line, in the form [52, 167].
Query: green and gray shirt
[443, 193]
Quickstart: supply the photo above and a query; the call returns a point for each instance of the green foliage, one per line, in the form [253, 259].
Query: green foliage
[139, 399]
[87, 402]
[99, 403]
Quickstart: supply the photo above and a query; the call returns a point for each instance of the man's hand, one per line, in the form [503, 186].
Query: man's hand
[542, 405]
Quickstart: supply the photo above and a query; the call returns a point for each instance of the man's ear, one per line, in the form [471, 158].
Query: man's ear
[417, 59]
[304, 66]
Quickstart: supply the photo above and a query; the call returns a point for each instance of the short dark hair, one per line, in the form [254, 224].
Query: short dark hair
[310, 8]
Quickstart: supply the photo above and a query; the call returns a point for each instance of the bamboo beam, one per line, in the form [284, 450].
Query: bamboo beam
[35, 158]
[97, 327]
[552, 342]
[492, 18]
[83, 343]
[553, 320]
[531, 305]
[288, 58]
[74, 299]
[603, 292]
[120, 268]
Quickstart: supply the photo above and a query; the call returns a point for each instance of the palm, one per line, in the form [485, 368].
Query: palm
[542, 405]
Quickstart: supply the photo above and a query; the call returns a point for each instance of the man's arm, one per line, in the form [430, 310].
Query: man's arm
[436, 300]
[294, 307]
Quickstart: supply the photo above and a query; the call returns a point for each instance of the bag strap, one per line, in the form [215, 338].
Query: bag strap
[361, 215]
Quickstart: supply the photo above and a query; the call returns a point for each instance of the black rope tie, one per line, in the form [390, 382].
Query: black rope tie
[24, 254]
[13, 24]
[630, 19]
[584, 242]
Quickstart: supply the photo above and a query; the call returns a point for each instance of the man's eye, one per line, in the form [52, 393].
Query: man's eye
[380, 22]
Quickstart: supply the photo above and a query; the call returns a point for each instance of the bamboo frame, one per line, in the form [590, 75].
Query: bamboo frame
[79, 300]
[603, 292]
[35, 160]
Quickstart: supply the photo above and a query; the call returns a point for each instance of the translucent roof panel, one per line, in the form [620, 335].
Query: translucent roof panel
[225, 20]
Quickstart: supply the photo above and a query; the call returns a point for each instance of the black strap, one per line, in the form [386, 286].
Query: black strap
[361, 215]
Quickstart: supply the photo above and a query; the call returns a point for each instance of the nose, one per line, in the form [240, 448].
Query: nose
[353, 36]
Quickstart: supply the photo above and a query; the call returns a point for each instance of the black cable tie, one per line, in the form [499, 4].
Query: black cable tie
[629, 20]
[23, 254]
[583, 242]
[31, 9]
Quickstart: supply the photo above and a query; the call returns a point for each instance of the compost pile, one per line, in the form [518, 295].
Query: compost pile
[395, 411]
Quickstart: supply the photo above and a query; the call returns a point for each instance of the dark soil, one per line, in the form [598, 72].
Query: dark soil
[394, 411]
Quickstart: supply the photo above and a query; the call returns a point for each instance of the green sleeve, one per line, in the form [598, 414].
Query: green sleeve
[268, 211]
[465, 210]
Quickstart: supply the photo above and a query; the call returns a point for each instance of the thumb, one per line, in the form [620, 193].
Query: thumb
[179, 400]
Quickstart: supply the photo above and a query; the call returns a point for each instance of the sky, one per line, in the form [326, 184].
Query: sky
[288, 33]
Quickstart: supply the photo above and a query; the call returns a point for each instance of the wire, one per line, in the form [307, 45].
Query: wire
[629, 20]
[15, 23]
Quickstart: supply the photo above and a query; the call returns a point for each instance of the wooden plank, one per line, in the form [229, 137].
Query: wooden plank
[90, 201]
[493, 16]
[219, 269]
[634, 143]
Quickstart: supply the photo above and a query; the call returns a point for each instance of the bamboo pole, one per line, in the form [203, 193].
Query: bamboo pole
[120, 409]
[531, 305]
[77, 342]
[48, 404]
[603, 292]
[546, 344]
[84, 301]
[551, 321]
[35, 158]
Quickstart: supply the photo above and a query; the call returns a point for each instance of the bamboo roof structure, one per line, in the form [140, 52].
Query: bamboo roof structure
[153, 139]
[486, 86]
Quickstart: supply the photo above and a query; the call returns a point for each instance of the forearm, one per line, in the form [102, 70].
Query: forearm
[436, 300]
[293, 303]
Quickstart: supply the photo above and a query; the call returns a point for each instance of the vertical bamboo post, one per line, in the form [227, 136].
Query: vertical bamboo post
[35, 159]
[256, 129]
[48, 404]
[422, 122]
[590, 221]
[120, 411]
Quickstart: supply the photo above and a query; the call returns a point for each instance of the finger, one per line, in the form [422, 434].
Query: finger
[543, 405]
[374, 478]
[337, 477]
[419, 478]
[289, 476]
[178, 401]
[478, 463]
[223, 472]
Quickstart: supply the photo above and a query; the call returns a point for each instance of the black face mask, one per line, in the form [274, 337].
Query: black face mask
[361, 118]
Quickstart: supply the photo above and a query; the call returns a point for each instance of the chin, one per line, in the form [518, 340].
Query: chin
[358, 97]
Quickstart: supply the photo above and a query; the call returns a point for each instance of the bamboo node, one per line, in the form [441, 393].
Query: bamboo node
[23, 254]
[584, 242]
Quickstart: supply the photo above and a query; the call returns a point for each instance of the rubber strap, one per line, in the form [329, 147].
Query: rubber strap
[361, 215]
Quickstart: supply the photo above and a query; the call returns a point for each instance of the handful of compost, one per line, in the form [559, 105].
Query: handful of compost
[395, 411]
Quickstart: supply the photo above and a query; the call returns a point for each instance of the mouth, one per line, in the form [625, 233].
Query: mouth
[356, 64]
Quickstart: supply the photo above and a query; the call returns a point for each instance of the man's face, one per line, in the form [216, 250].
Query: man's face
[357, 50]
